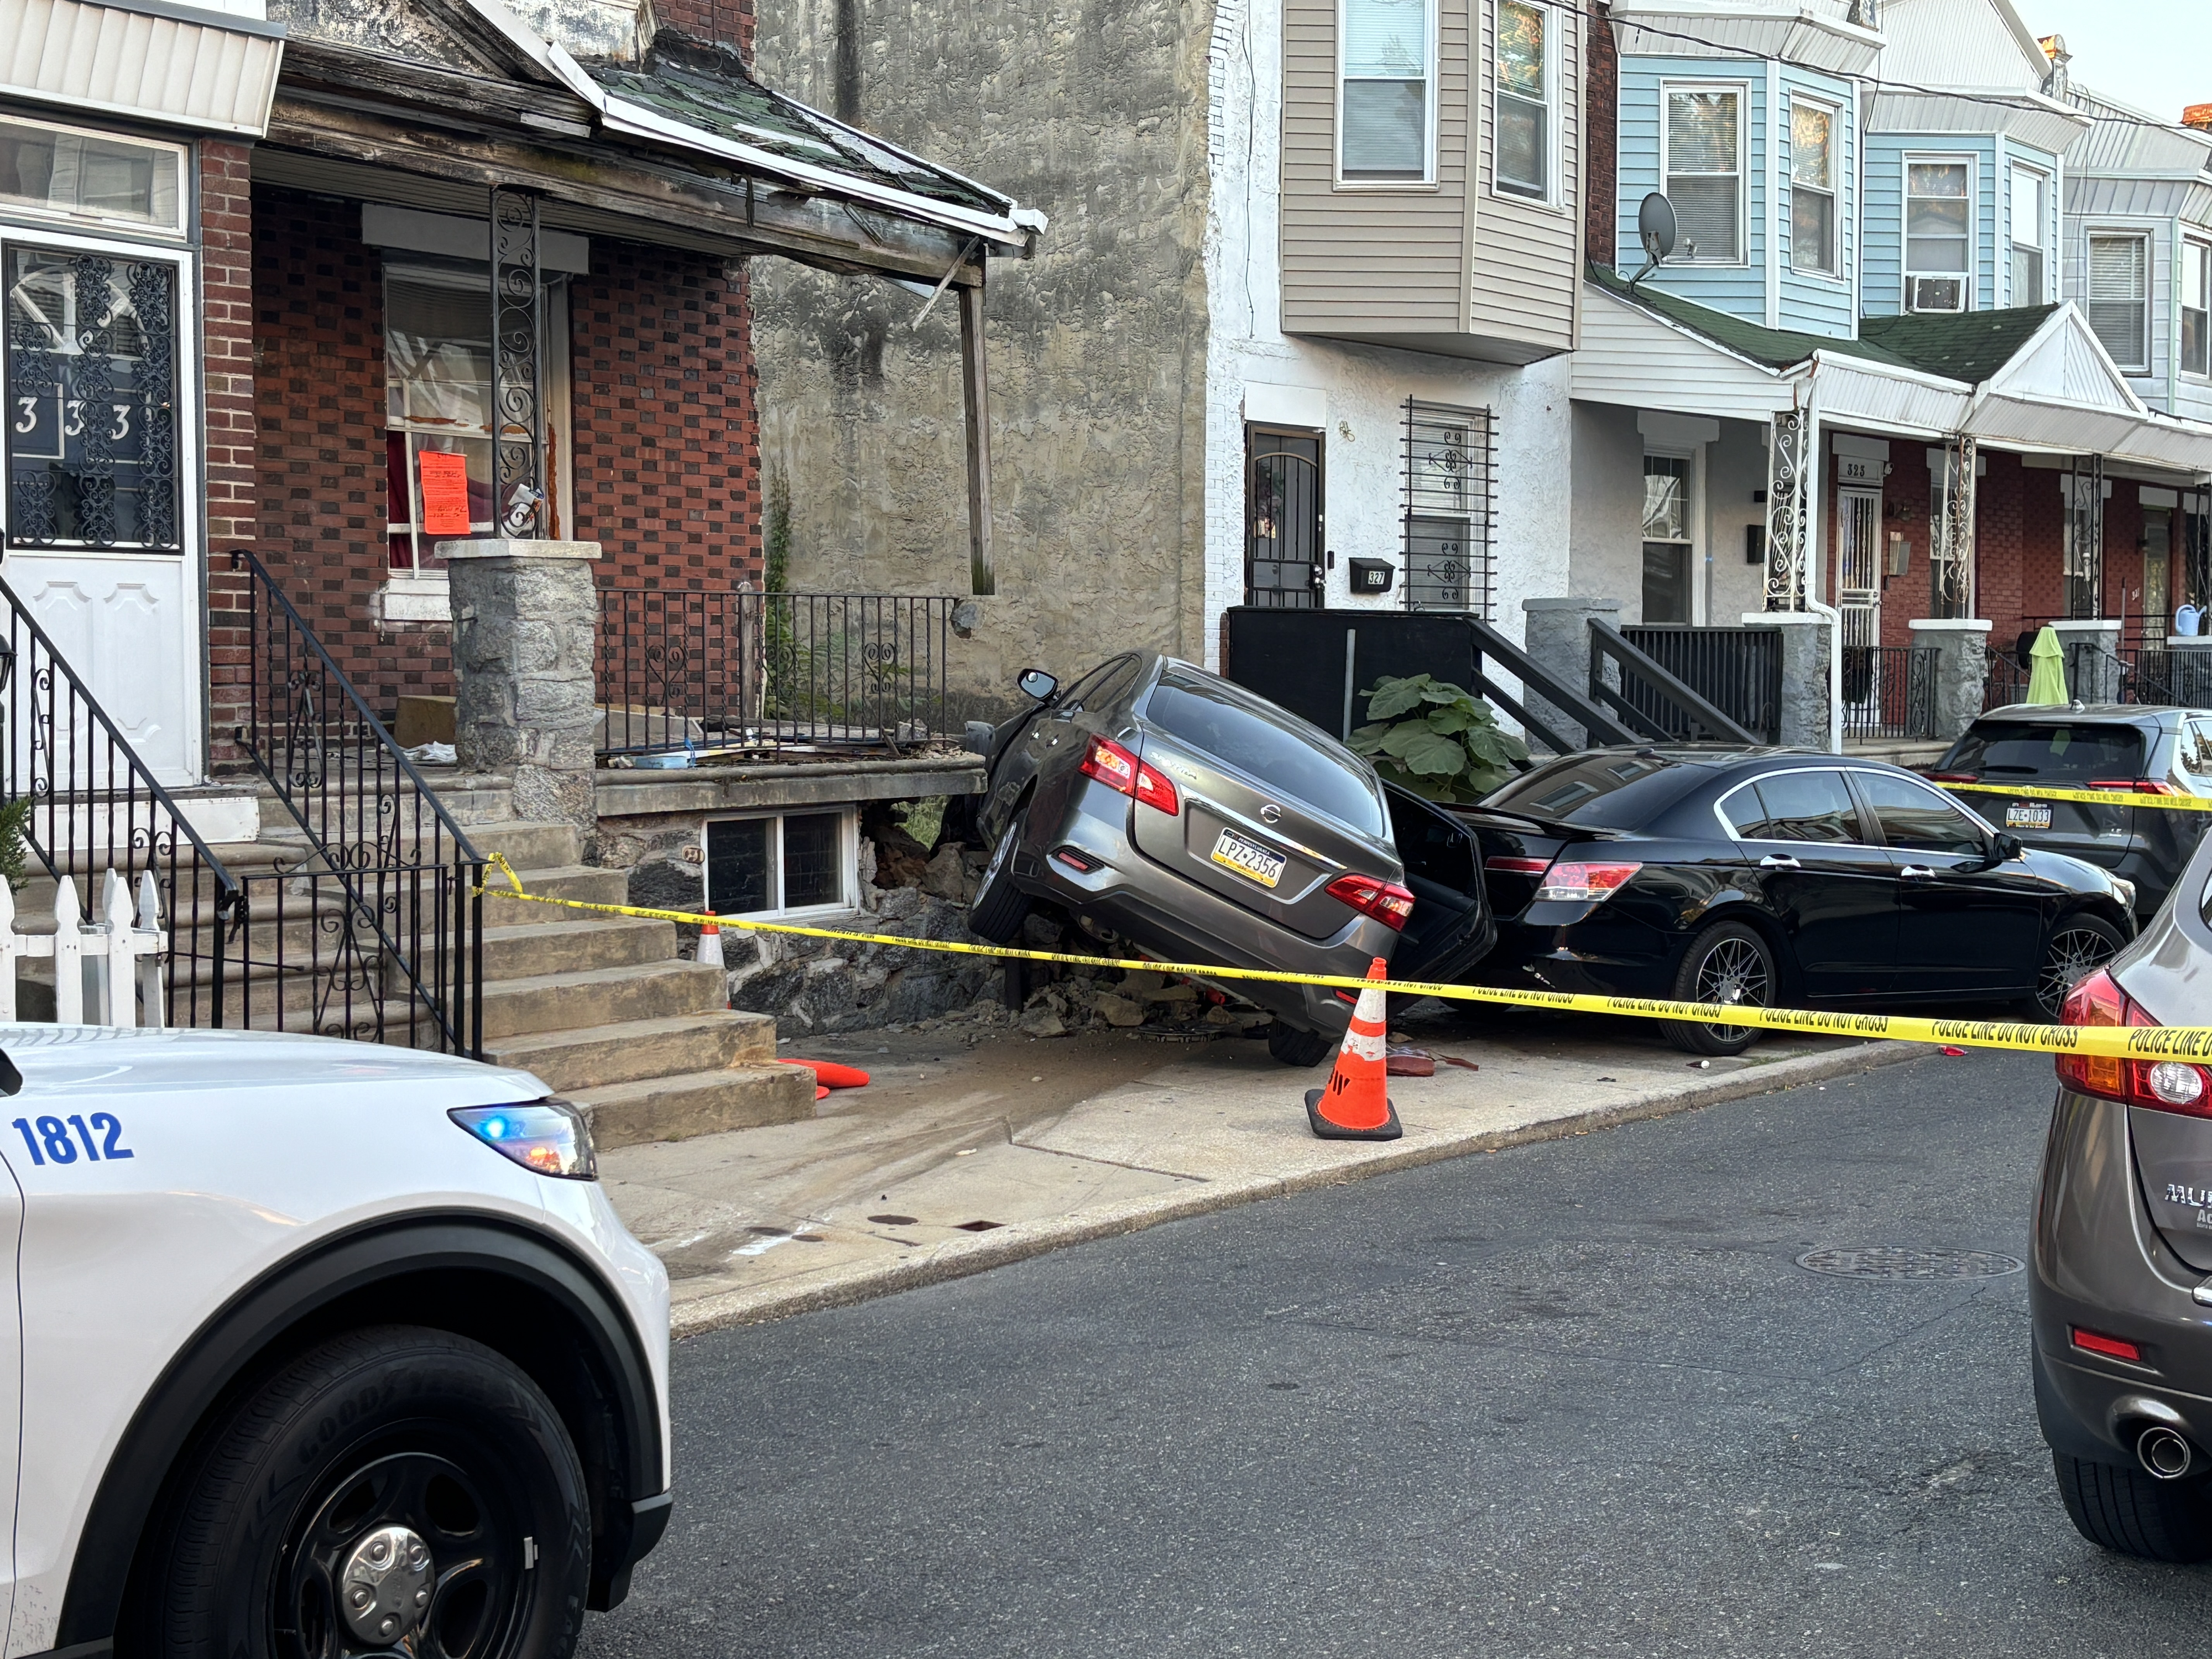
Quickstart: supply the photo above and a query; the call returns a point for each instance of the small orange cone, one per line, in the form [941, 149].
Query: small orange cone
[1355, 1105]
[710, 945]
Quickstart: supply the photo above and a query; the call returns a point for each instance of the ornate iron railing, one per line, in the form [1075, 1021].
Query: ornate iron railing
[375, 930]
[76, 800]
[736, 670]
[1889, 690]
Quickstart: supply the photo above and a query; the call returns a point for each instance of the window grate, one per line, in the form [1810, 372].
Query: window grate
[1449, 462]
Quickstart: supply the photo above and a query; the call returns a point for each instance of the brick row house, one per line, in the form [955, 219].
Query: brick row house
[1927, 352]
[249, 260]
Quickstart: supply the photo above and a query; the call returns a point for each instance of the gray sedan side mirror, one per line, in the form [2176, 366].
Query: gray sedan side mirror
[1035, 683]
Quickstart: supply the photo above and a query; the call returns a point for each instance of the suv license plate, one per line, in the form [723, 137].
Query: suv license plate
[2028, 815]
[1248, 860]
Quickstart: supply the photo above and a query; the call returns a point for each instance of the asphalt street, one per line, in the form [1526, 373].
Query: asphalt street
[1576, 1397]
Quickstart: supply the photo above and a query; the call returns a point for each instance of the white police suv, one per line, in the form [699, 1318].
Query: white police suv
[318, 1349]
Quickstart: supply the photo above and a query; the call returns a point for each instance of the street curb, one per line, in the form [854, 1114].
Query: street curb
[1019, 1241]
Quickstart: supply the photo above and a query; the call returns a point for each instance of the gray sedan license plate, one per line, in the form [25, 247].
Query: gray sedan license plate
[1248, 859]
[2028, 815]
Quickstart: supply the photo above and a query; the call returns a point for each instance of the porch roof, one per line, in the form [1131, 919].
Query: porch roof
[2034, 378]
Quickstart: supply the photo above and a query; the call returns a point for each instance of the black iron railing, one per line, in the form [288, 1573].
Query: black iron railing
[1649, 696]
[76, 801]
[2005, 681]
[1737, 669]
[375, 930]
[737, 669]
[1889, 690]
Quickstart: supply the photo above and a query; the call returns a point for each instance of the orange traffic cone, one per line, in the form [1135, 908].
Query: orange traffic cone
[1355, 1105]
[710, 945]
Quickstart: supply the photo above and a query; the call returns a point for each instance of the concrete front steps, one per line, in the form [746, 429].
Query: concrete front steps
[605, 1013]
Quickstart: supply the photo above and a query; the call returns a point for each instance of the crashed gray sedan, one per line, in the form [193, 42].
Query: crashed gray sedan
[1201, 823]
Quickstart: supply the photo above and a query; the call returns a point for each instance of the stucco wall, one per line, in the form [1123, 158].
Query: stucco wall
[1095, 116]
[1607, 547]
[1736, 470]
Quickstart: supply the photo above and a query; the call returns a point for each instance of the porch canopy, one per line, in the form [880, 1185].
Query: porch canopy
[2033, 379]
[662, 139]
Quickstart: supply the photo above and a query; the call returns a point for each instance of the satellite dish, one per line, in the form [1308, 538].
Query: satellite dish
[1655, 226]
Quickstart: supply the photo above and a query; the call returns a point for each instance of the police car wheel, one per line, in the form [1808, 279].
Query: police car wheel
[394, 1490]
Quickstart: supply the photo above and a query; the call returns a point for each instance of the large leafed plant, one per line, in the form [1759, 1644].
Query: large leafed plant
[1436, 740]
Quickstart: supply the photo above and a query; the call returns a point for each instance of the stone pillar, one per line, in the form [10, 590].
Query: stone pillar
[1557, 636]
[1808, 655]
[2093, 666]
[1962, 651]
[526, 625]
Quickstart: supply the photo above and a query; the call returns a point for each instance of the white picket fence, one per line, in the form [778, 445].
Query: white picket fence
[128, 945]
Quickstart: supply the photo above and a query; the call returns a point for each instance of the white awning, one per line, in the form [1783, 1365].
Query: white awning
[173, 65]
[2059, 394]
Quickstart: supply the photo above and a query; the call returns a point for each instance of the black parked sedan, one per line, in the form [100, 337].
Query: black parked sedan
[1775, 877]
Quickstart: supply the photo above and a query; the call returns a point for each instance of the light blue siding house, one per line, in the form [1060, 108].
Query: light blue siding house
[1925, 358]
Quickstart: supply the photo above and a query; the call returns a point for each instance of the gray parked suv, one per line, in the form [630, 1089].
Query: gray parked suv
[1204, 824]
[2121, 1288]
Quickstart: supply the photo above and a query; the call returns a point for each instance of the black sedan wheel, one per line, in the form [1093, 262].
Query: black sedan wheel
[396, 1490]
[2081, 946]
[1730, 963]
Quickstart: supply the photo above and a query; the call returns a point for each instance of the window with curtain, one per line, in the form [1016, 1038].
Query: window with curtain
[2196, 307]
[2029, 213]
[1938, 234]
[1389, 86]
[1812, 187]
[1704, 172]
[2119, 297]
[1524, 99]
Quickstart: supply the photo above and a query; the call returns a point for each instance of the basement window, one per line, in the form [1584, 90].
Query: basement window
[782, 864]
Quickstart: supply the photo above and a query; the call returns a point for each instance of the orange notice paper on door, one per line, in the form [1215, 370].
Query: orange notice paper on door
[445, 493]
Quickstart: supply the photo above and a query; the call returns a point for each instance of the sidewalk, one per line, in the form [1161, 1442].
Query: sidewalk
[957, 1158]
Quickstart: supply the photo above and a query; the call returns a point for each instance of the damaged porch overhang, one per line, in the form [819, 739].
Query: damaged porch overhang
[2054, 391]
[682, 139]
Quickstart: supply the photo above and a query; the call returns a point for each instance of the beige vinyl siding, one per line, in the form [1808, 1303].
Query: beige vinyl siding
[1369, 259]
[1390, 264]
[1528, 262]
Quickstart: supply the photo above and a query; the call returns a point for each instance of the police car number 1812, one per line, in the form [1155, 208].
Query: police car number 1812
[48, 1139]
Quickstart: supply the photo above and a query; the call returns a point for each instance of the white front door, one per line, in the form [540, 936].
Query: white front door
[1858, 565]
[100, 519]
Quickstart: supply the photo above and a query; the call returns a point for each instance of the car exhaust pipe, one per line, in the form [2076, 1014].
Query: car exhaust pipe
[2164, 1454]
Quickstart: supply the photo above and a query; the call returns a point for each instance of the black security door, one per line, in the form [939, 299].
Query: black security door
[1282, 519]
[1830, 890]
[1964, 924]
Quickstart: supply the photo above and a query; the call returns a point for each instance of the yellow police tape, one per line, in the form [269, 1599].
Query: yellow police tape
[2099, 796]
[2138, 1042]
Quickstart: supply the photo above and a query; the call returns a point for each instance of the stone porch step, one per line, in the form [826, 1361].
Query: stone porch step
[696, 1103]
[583, 882]
[637, 1050]
[601, 996]
[527, 845]
[538, 948]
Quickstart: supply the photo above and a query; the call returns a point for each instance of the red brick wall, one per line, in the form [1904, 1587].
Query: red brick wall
[666, 468]
[1601, 142]
[227, 371]
[320, 394]
[730, 22]
[667, 465]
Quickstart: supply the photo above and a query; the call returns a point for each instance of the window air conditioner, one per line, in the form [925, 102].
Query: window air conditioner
[1936, 293]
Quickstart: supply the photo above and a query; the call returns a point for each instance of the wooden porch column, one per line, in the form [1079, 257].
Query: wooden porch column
[975, 385]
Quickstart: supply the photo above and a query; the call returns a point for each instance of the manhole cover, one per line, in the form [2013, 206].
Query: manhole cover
[1890, 1261]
